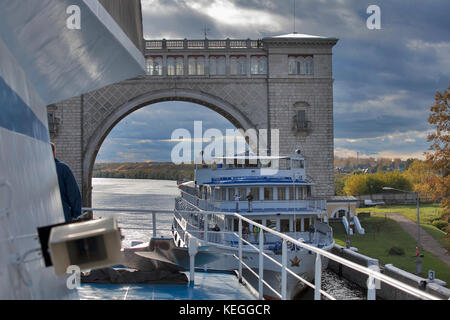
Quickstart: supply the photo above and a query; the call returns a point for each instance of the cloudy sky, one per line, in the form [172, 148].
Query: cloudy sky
[385, 80]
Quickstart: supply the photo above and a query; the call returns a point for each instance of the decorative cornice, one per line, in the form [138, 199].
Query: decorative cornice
[296, 42]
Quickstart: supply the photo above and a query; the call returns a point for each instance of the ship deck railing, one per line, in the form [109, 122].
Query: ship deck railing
[375, 277]
[291, 206]
[196, 227]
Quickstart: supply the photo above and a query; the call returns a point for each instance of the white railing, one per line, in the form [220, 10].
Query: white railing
[281, 205]
[373, 275]
[196, 227]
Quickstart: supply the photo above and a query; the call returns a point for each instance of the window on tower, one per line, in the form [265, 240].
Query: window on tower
[259, 65]
[309, 66]
[196, 65]
[301, 65]
[217, 65]
[154, 65]
[175, 65]
[238, 65]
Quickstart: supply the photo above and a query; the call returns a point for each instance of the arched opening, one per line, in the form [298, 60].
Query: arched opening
[225, 109]
[340, 212]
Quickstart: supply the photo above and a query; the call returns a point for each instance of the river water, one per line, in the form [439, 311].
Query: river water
[160, 194]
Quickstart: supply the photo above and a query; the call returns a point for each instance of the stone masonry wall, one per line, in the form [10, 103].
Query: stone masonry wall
[69, 136]
[317, 144]
[315, 92]
[249, 96]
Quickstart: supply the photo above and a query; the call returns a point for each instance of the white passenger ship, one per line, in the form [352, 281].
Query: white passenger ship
[281, 201]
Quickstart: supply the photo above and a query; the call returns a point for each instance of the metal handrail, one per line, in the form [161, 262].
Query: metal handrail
[288, 270]
[319, 252]
[257, 275]
[371, 273]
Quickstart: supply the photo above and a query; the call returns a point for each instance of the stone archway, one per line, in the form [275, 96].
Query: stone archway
[227, 110]
[336, 211]
[258, 96]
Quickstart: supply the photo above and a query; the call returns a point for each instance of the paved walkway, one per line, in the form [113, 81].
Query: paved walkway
[427, 242]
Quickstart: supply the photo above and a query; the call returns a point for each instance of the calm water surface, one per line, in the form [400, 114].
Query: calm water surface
[137, 194]
[160, 194]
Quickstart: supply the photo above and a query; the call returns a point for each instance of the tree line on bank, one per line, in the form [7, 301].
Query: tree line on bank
[418, 178]
[371, 164]
[144, 170]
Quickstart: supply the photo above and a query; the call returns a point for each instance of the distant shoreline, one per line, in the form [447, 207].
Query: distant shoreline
[144, 170]
[135, 178]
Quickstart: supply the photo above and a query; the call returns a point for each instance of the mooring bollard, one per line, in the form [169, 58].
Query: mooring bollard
[193, 249]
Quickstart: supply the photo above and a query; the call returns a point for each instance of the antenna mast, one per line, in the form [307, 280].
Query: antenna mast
[294, 17]
[205, 31]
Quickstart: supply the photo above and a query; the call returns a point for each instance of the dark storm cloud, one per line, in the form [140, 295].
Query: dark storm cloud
[385, 80]
[173, 19]
[376, 127]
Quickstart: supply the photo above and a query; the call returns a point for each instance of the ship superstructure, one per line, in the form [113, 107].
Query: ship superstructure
[273, 191]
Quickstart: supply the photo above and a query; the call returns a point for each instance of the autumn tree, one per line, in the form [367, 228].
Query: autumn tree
[356, 185]
[360, 184]
[339, 183]
[423, 177]
[439, 157]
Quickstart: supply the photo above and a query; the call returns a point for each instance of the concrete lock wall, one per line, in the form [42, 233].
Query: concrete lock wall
[385, 291]
[388, 292]
[356, 277]
[438, 291]
[390, 198]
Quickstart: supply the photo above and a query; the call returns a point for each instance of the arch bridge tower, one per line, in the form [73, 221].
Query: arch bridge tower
[282, 83]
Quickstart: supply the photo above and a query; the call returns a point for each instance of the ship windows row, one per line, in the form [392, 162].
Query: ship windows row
[285, 225]
[198, 65]
[261, 193]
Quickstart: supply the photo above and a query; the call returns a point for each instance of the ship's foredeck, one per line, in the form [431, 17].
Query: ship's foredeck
[208, 286]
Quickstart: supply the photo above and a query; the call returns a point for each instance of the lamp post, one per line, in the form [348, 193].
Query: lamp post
[418, 260]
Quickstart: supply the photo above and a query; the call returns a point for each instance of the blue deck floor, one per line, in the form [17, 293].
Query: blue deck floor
[208, 286]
